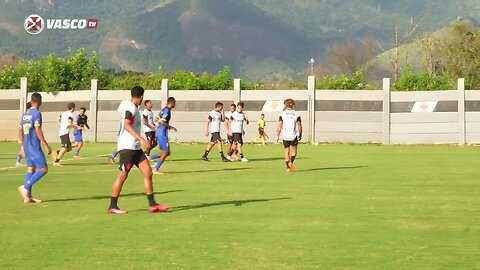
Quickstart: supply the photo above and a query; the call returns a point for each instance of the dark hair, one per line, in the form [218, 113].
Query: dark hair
[137, 92]
[71, 105]
[171, 100]
[83, 109]
[233, 105]
[29, 105]
[36, 98]
[218, 104]
[146, 101]
[241, 104]
[289, 103]
[262, 114]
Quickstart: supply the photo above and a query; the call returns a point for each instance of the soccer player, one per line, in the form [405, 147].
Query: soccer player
[162, 134]
[31, 135]
[290, 127]
[261, 130]
[149, 126]
[236, 126]
[66, 124]
[21, 152]
[82, 122]
[214, 121]
[228, 115]
[129, 145]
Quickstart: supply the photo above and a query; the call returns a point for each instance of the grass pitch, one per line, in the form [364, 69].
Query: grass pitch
[345, 207]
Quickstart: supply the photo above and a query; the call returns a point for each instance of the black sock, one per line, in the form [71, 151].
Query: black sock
[57, 160]
[241, 155]
[113, 203]
[288, 166]
[292, 158]
[206, 153]
[151, 200]
[222, 155]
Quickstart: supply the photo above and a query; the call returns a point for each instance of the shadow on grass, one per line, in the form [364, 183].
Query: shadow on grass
[208, 171]
[331, 168]
[108, 197]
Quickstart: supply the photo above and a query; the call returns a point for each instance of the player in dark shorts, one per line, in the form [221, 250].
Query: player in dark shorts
[228, 116]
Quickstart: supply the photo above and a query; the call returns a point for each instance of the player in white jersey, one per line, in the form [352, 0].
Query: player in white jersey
[228, 115]
[214, 122]
[290, 127]
[236, 126]
[129, 145]
[66, 125]
[148, 125]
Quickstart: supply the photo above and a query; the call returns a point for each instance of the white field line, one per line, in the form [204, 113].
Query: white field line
[69, 159]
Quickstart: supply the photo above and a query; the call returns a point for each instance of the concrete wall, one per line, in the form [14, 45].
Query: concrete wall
[328, 115]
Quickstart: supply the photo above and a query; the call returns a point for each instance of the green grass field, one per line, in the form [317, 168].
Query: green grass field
[345, 207]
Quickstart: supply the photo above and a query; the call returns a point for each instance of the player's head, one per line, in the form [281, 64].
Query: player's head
[82, 110]
[218, 106]
[240, 106]
[137, 95]
[36, 100]
[71, 106]
[289, 103]
[148, 104]
[233, 107]
[171, 102]
[28, 105]
[262, 116]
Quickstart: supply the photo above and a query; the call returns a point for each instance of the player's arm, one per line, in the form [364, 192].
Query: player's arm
[145, 122]
[128, 127]
[86, 122]
[299, 128]
[73, 124]
[279, 128]
[246, 120]
[207, 128]
[20, 134]
[223, 116]
[162, 121]
[40, 136]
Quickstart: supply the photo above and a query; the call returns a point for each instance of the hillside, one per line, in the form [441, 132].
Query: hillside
[256, 38]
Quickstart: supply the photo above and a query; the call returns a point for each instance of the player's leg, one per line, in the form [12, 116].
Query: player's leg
[33, 175]
[66, 147]
[286, 146]
[229, 146]
[293, 154]
[239, 146]
[220, 150]
[263, 138]
[165, 148]
[112, 157]
[146, 170]
[126, 163]
[207, 151]
[78, 144]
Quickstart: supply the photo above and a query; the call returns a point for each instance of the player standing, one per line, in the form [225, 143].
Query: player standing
[162, 134]
[236, 126]
[66, 124]
[228, 116]
[290, 127]
[21, 152]
[81, 121]
[129, 146]
[261, 130]
[31, 136]
[214, 122]
[149, 126]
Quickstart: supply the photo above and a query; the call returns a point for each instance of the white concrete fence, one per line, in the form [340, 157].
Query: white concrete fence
[358, 116]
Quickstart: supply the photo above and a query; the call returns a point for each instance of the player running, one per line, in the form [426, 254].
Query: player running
[162, 134]
[290, 127]
[228, 116]
[148, 125]
[129, 145]
[66, 124]
[261, 130]
[236, 127]
[214, 122]
[81, 121]
[21, 152]
[31, 136]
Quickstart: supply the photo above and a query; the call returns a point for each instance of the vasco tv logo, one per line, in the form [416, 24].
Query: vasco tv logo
[34, 24]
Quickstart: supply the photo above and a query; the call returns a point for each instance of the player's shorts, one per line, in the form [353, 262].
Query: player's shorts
[261, 131]
[130, 158]
[230, 139]
[163, 143]
[150, 135]
[65, 141]
[35, 159]
[238, 138]
[216, 137]
[287, 144]
[78, 136]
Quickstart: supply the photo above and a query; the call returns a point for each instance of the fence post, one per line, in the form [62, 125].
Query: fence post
[94, 108]
[386, 110]
[237, 91]
[461, 112]
[164, 92]
[311, 108]
[23, 94]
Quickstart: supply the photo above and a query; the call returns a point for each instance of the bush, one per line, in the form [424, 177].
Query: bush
[343, 82]
[411, 81]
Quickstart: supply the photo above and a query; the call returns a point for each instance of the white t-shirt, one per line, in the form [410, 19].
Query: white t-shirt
[65, 119]
[237, 120]
[149, 115]
[125, 139]
[289, 127]
[215, 121]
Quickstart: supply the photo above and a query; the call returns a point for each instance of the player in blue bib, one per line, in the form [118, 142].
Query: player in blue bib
[164, 126]
[32, 137]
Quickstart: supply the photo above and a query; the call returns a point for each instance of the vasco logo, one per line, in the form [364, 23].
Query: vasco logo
[34, 24]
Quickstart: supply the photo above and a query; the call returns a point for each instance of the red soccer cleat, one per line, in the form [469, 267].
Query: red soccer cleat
[290, 167]
[117, 211]
[158, 208]
[111, 160]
